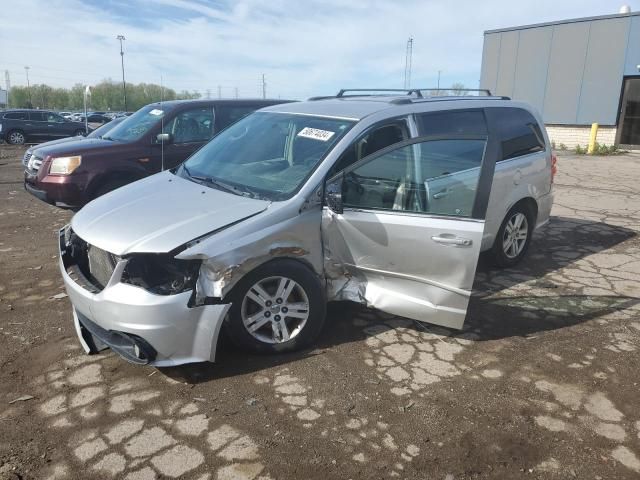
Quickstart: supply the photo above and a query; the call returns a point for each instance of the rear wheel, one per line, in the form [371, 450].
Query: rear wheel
[80, 133]
[279, 307]
[514, 236]
[16, 137]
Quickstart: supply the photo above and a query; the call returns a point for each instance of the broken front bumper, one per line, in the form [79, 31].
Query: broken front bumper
[159, 330]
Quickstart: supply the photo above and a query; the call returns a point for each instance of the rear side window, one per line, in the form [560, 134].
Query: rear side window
[16, 116]
[517, 130]
[453, 122]
[227, 114]
[38, 116]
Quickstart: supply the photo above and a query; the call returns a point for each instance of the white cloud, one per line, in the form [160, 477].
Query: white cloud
[303, 47]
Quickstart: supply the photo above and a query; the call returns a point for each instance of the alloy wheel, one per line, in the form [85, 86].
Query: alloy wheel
[16, 138]
[275, 310]
[515, 235]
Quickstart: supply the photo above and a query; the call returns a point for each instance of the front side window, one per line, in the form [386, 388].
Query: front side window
[438, 177]
[54, 118]
[137, 125]
[378, 138]
[191, 126]
[518, 131]
[266, 154]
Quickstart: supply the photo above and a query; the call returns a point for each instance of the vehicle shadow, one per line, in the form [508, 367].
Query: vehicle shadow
[490, 316]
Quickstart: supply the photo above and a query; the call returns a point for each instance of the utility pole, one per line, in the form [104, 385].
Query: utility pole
[264, 87]
[407, 63]
[208, 93]
[219, 92]
[124, 84]
[236, 92]
[439, 72]
[7, 81]
[26, 69]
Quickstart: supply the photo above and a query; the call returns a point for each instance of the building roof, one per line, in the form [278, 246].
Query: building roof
[562, 22]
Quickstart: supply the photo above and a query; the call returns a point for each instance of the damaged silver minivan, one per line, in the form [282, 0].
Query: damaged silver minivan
[386, 200]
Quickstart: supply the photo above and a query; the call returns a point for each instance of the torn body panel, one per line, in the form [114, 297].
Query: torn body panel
[231, 254]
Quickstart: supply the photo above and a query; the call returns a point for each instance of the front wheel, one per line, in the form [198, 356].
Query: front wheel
[279, 307]
[514, 237]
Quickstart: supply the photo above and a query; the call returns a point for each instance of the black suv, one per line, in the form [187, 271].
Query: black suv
[19, 126]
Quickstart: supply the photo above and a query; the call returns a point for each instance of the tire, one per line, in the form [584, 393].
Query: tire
[80, 133]
[256, 306]
[509, 248]
[16, 137]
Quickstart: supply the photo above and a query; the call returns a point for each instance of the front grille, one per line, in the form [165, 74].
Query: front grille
[95, 264]
[27, 156]
[34, 164]
[101, 264]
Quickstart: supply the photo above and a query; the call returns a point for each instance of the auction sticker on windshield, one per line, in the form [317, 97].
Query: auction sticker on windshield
[155, 111]
[316, 134]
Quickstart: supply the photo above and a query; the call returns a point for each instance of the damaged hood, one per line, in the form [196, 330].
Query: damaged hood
[159, 214]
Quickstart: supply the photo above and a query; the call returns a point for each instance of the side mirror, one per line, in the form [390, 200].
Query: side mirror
[333, 195]
[164, 138]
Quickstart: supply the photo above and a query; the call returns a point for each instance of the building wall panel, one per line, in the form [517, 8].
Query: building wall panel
[566, 66]
[490, 57]
[602, 79]
[532, 65]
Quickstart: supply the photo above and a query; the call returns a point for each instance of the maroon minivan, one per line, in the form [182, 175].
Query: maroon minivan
[157, 137]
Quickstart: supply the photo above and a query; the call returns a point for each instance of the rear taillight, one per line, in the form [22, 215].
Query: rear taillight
[554, 166]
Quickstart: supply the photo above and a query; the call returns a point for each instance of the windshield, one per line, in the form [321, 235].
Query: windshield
[135, 126]
[266, 154]
[102, 130]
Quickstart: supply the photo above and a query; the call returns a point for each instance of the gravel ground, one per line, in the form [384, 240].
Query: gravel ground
[542, 383]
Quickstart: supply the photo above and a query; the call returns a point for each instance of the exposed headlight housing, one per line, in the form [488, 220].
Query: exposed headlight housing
[64, 165]
[161, 274]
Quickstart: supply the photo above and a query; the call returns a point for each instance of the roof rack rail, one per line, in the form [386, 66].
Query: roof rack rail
[484, 91]
[408, 91]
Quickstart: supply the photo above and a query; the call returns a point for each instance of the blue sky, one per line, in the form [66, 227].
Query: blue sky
[304, 48]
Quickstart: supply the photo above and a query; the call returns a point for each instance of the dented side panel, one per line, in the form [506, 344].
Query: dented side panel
[389, 261]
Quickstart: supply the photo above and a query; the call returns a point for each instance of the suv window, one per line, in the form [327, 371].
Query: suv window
[54, 118]
[374, 140]
[458, 122]
[38, 116]
[437, 177]
[228, 114]
[518, 131]
[16, 116]
[191, 126]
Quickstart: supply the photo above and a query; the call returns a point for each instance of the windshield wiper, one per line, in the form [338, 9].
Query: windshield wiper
[243, 192]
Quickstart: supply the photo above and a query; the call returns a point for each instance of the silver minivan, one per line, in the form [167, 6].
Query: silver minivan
[385, 200]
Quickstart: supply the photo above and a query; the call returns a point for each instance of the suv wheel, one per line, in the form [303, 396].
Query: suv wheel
[16, 137]
[278, 307]
[80, 133]
[514, 237]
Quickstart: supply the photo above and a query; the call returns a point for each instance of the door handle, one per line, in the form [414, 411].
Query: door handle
[456, 241]
[441, 194]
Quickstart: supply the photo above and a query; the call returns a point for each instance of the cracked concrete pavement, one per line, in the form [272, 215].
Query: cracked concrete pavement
[542, 382]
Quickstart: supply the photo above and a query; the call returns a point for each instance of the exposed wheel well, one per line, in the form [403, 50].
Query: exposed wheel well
[300, 261]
